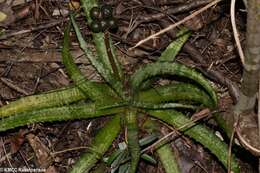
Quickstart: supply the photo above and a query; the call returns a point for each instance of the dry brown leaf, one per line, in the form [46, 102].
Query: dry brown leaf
[41, 151]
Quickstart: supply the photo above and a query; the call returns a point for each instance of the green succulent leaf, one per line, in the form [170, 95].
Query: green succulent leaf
[88, 87]
[165, 152]
[122, 157]
[170, 53]
[179, 92]
[112, 157]
[167, 159]
[124, 168]
[165, 68]
[199, 133]
[85, 111]
[148, 139]
[102, 68]
[101, 143]
[59, 97]
[144, 105]
[169, 93]
[148, 159]
[132, 138]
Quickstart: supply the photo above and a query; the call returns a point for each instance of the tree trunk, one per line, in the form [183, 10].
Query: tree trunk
[251, 73]
[245, 109]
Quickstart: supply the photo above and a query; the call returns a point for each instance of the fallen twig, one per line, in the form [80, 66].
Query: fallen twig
[44, 26]
[235, 32]
[177, 24]
[196, 117]
[14, 87]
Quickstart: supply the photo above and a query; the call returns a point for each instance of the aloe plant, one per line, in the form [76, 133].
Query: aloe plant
[165, 152]
[123, 99]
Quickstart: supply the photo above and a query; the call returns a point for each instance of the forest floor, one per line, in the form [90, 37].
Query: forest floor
[30, 63]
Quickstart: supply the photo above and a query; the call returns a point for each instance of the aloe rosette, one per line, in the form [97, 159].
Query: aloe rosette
[110, 99]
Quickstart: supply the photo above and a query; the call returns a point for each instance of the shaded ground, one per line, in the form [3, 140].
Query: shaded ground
[31, 63]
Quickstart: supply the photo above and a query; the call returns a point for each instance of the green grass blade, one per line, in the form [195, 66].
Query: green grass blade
[200, 134]
[101, 143]
[132, 138]
[165, 68]
[63, 113]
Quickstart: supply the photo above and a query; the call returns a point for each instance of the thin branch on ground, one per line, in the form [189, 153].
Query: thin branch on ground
[9, 83]
[24, 159]
[235, 32]
[177, 24]
[166, 12]
[3, 158]
[40, 27]
[196, 117]
[69, 149]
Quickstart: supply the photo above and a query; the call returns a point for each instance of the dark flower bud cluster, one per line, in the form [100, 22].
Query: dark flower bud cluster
[102, 19]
